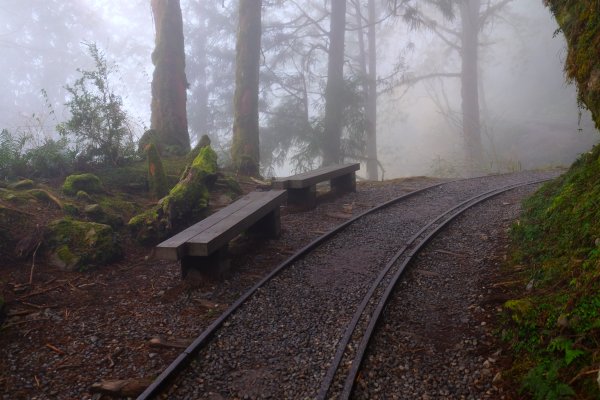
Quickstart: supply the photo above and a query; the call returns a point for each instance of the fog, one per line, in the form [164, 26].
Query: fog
[530, 117]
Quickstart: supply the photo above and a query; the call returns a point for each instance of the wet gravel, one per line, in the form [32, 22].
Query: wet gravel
[436, 338]
[67, 331]
[280, 343]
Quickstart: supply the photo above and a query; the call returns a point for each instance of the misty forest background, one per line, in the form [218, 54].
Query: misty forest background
[529, 115]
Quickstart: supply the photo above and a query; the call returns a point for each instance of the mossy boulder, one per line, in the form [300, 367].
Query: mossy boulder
[186, 202]
[157, 179]
[78, 244]
[96, 213]
[82, 195]
[89, 183]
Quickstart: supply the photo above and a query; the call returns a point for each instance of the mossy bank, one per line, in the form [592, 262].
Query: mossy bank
[555, 323]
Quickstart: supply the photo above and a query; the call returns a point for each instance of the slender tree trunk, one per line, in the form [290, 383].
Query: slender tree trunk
[372, 164]
[201, 95]
[169, 83]
[334, 91]
[469, 13]
[245, 147]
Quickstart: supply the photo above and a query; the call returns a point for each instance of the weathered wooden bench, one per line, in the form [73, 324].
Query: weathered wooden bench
[203, 246]
[302, 188]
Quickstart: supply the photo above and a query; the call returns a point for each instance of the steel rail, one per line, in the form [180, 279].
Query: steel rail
[161, 382]
[374, 318]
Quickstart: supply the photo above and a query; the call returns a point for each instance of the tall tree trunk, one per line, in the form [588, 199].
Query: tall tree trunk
[201, 112]
[245, 146]
[169, 84]
[469, 13]
[372, 163]
[334, 91]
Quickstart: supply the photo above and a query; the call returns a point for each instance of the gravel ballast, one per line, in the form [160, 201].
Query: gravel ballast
[281, 341]
[71, 330]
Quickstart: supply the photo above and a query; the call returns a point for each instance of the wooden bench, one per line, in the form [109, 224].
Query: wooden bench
[203, 246]
[302, 188]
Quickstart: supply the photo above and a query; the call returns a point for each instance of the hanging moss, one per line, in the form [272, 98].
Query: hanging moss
[157, 180]
[579, 20]
[89, 183]
[186, 202]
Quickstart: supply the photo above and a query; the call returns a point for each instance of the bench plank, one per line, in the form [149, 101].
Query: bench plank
[310, 178]
[227, 222]
[172, 248]
[238, 221]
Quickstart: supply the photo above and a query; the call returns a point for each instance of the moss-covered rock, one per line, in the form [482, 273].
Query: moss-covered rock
[186, 202]
[96, 213]
[22, 185]
[157, 179]
[82, 195]
[89, 183]
[77, 244]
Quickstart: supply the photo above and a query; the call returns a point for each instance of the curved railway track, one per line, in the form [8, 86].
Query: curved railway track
[335, 287]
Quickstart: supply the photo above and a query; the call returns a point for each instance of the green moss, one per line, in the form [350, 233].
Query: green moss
[580, 22]
[71, 209]
[186, 202]
[89, 183]
[558, 240]
[88, 243]
[82, 195]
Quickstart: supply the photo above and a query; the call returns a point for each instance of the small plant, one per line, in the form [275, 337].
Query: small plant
[544, 384]
[98, 121]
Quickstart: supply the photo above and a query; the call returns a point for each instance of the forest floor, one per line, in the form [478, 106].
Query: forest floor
[67, 331]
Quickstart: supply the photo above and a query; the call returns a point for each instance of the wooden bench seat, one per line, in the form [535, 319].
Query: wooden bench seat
[302, 188]
[204, 245]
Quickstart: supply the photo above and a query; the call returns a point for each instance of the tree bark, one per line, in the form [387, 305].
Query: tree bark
[245, 146]
[469, 14]
[169, 83]
[200, 100]
[334, 91]
[372, 164]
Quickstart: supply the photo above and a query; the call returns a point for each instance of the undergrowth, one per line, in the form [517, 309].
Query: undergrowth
[555, 327]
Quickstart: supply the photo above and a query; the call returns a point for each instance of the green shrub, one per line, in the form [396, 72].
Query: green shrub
[98, 121]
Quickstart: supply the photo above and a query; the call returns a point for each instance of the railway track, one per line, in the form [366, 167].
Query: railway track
[303, 330]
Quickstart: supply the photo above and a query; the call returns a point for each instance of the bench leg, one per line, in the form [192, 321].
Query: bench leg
[214, 266]
[268, 226]
[344, 183]
[305, 197]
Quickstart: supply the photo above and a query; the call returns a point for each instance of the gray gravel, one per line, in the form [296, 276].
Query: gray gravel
[435, 340]
[280, 343]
